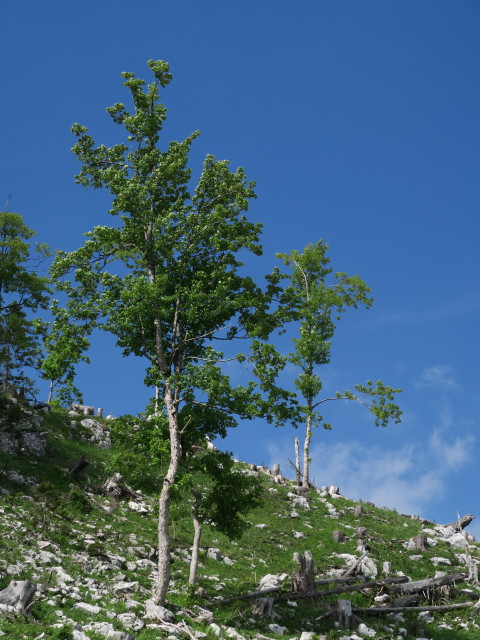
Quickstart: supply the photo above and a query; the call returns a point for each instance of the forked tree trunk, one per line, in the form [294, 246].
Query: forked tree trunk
[306, 452]
[197, 527]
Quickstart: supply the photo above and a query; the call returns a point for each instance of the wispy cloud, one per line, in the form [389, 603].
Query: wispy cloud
[408, 479]
[439, 376]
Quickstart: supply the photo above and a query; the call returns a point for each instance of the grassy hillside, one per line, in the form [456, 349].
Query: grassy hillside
[93, 558]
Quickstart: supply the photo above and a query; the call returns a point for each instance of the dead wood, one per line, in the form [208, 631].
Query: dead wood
[18, 595]
[343, 614]
[303, 580]
[461, 523]
[246, 596]
[116, 487]
[353, 569]
[439, 607]
[430, 583]
[343, 589]
[405, 601]
[264, 608]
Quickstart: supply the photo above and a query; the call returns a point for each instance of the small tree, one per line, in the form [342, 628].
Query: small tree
[314, 300]
[22, 292]
[166, 279]
[227, 497]
[64, 345]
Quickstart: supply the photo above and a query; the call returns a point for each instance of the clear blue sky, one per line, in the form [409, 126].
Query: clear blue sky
[360, 123]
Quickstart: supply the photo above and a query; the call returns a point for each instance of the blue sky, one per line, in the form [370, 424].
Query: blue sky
[360, 123]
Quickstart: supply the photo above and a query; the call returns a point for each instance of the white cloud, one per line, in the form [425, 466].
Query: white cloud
[409, 479]
[439, 376]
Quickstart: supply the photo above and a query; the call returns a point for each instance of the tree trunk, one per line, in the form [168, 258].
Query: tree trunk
[306, 452]
[50, 392]
[297, 462]
[303, 580]
[164, 554]
[197, 527]
[19, 594]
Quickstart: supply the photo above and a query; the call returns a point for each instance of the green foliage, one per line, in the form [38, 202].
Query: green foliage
[78, 502]
[22, 292]
[314, 300]
[139, 449]
[228, 494]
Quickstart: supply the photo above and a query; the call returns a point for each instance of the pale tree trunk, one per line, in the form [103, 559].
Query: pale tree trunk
[197, 527]
[164, 553]
[297, 463]
[306, 452]
[50, 392]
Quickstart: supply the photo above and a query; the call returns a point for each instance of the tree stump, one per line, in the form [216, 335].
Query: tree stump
[275, 470]
[343, 614]
[264, 608]
[116, 487]
[420, 542]
[303, 580]
[18, 595]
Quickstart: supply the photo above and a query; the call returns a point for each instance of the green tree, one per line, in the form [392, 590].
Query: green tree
[227, 496]
[65, 343]
[314, 300]
[166, 278]
[22, 292]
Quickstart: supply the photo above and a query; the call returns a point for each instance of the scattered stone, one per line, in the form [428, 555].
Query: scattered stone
[157, 612]
[89, 608]
[276, 628]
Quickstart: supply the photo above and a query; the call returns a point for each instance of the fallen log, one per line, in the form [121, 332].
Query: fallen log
[17, 596]
[439, 607]
[345, 589]
[461, 523]
[351, 571]
[430, 583]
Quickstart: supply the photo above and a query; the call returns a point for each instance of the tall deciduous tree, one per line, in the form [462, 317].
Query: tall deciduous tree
[165, 279]
[314, 300]
[22, 292]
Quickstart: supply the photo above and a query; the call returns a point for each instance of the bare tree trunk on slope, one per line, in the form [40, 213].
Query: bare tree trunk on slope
[197, 527]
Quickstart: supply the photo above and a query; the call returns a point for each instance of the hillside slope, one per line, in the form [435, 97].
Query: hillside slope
[92, 559]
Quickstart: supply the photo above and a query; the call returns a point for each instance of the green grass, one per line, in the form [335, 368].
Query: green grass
[63, 510]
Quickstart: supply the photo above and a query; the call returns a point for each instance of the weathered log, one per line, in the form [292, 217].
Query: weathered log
[430, 583]
[461, 523]
[405, 601]
[247, 596]
[353, 569]
[439, 607]
[303, 580]
[264, 608]
[116, 487]
[343, 589]
[18, 595]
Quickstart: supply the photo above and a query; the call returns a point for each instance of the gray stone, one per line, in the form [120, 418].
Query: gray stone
[157, 612]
